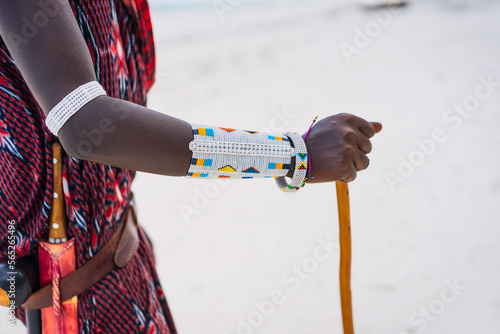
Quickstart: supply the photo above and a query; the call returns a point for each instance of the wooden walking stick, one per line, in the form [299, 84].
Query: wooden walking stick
[345, 255]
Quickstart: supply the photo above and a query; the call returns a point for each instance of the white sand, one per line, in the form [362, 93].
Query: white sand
[441, 223]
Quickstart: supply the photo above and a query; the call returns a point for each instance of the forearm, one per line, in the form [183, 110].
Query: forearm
[126, 135]
[55, 61]
[123, 134]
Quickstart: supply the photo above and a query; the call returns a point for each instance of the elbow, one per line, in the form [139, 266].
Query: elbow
[75, 143]
[74, 146]
[82, 143]
[79, 136]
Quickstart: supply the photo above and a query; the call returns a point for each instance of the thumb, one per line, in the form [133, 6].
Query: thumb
[377, 126]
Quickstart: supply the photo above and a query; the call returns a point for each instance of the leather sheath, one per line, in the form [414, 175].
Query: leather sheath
[117, 252]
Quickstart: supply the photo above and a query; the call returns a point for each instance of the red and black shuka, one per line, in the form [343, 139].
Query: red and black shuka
[128, 300]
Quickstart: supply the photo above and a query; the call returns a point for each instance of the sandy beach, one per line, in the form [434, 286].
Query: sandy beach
[241, 257]
[419, 226]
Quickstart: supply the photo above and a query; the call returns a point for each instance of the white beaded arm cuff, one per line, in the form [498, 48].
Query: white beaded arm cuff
[70, 105]
[230, 153]
[301, 165]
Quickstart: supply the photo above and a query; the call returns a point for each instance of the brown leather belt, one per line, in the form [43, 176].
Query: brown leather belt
[117, 252]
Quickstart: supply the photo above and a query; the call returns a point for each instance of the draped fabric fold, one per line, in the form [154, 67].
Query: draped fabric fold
[121, 44]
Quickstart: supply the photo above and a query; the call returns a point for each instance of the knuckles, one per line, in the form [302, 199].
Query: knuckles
[349, 136]
[337, 141]
[364, 164]
[345, 117]
[350, 177]
[368, 147]
[347, 152]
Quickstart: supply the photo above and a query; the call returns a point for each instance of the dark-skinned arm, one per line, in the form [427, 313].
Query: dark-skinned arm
[55, 60]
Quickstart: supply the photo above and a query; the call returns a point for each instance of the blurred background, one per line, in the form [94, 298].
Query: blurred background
[241, 257]
[425, 215]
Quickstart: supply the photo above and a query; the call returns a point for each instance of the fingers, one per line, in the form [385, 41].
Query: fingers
[349, 144]
[377, 126]
[364, 144]
[361, 161]
[350, 175]
[358, 162]
[367, 128]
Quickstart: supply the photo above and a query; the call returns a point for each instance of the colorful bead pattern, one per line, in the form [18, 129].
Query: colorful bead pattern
[301, 166]
[241, 154]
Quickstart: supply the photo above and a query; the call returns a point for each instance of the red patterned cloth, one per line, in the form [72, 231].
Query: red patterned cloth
[128, 300]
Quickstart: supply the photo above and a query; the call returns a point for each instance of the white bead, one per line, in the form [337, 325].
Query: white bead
[71, 104]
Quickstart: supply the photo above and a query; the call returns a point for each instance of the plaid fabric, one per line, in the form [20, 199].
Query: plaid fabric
[127, 300]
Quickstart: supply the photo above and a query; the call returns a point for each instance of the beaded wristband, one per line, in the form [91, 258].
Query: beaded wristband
[231, 153]
[70, 105]
[301, 165]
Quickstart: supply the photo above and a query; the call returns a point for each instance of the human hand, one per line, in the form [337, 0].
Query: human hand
[338, 145]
